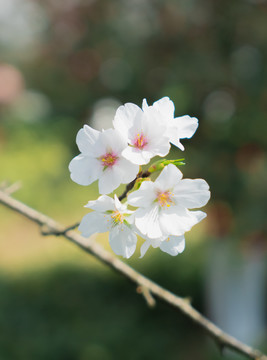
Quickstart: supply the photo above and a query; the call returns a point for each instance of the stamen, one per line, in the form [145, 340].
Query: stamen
[108, 160]
[140, 141]
[165, 199]
[117, 217]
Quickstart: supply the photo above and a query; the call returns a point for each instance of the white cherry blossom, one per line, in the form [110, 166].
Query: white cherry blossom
[111, 215]
[145, 133]
[101, 159]
[173, 245]
[179, 127]
[163, 205]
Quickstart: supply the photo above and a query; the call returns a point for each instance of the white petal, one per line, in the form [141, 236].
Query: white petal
[168, 178]
[147, 222]
[186, 126]
[145, 246]
[102, 204]
[84, 169]
[197, 216]
[123, 241]
[156, 242]
[166, 107]
[149, 242]
[144, 105]
[191, 193]
[162, 148]
[182, 127]
[175, 221]
[86, 139]
[128, 170]
[137, 156]
[175, 141]
[109, 180]
[174, 246]
[144, 196]
[110, 140]
[125, 117]
[92, 223]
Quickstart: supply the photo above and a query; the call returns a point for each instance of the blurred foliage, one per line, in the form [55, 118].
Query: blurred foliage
[66, 63]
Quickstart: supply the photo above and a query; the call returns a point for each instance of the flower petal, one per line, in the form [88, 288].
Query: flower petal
[144, 196]
[166, 107]
[197, 216]
[192, 193]
[162, 148]
[147, 222]
[109, 180]
[149, 242]
[110, 140]
[168, 178]
[128, 170]
[176, 220]
[84, 169]
[102, 204]
[137, 156]
[123, 241]
[180, 128]
[174, 246]
[186, 126]
[144, 247]
[92, 223]
[86, 139]
[125, 117]
[144, 105]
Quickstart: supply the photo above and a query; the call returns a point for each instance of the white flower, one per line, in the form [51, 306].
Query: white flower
[178, 128]
[163, 204]
[173, 245]
[145, 133]
[111, 215]
[101, 158]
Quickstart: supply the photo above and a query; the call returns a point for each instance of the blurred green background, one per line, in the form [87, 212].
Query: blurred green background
[64, 63]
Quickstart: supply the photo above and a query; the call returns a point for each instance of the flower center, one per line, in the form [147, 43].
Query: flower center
[140, 141]
[108, 160]
[117, 217]
[165, 198]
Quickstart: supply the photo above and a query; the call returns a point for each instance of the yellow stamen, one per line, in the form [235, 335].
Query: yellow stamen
[117, 217]
[165, 199]
[108, 160]
[140, 141]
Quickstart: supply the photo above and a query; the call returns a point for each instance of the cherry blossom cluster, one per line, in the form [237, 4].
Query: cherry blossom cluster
[157, 211]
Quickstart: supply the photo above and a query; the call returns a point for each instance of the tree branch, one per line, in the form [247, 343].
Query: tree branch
[148, 287]
[132, 183]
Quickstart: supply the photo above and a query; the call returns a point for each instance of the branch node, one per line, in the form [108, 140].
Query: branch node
[188, 300]
[10, 189]
[151, 302]
[45, 231]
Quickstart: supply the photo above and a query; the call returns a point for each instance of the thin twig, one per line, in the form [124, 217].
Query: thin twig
[183, 305]
[151, 302]
[132, 183]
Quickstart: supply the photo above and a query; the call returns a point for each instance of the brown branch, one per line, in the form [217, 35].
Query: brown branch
[151, 289]
[132, 183]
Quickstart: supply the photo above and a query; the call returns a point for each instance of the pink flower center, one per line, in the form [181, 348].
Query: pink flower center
[108, 160]
[140, 141]
[165, 198]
